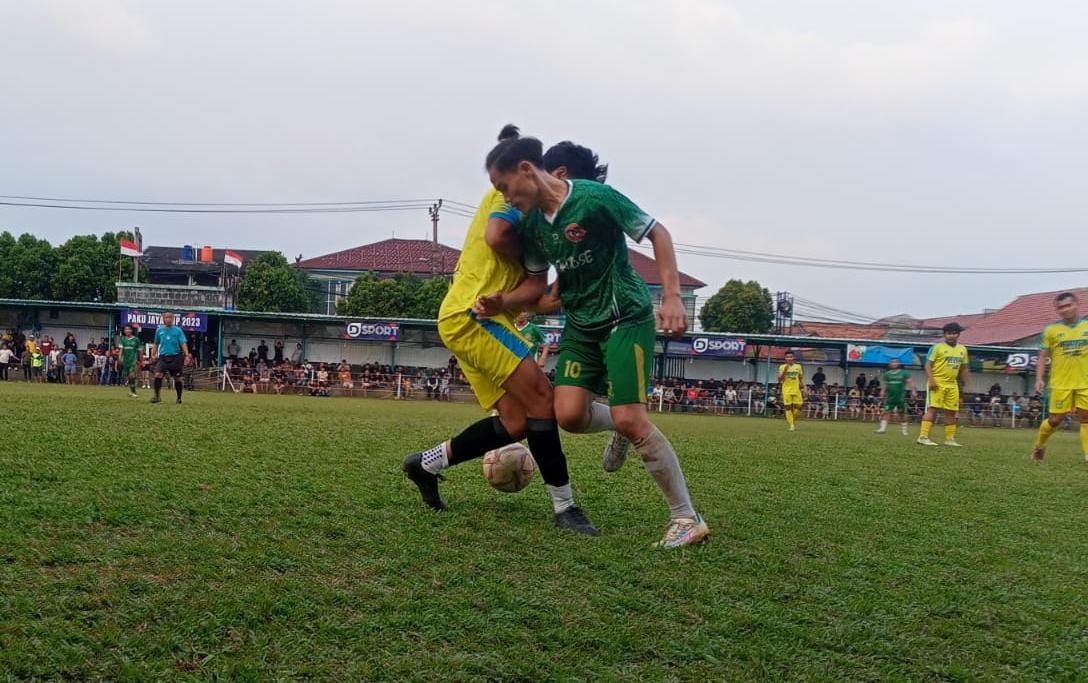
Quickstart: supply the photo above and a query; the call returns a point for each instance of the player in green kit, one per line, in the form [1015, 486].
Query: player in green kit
[536, 338]
[893, 391]
[130, 356]
[580, 227]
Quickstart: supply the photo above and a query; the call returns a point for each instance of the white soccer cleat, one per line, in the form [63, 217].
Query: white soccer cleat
[684, 531]
[881, 430]
[793, 428]
[952, 442]
[904, 430]
[615, 452]
[925, 441]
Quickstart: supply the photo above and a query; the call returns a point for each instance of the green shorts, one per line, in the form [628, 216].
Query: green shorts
[617, 364]
[896, 403]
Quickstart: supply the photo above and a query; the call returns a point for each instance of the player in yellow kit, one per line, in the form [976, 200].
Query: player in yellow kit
[791, 377]
[498, 363]
[1065, 344]
[946, 365]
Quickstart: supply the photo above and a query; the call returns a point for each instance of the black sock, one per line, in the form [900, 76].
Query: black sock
[477, 439]
[158, 386]
[177, 387]
[132, 384]
[548, 451]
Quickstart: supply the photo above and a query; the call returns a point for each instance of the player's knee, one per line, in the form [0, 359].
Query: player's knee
[635, 426]
[516, 426]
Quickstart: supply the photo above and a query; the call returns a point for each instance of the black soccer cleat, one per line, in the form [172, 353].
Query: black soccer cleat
[156, 400]
[179, 401]
[424, 480]
[575, 520]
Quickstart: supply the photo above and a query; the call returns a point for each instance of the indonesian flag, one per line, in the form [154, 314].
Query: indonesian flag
[232, 258]
[129, 248]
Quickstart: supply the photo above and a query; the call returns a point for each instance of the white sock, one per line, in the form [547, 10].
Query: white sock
[883, 425]
[600, 418]
[661, 462]
[562, 498]
[435, 460]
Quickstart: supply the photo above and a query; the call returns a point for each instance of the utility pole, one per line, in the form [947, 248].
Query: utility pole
[139, 239]
[433, 211]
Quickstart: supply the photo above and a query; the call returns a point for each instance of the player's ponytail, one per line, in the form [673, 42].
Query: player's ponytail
[581, 163]
[509, 132]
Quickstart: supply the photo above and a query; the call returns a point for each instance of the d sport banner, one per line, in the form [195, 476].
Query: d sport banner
[188, 322]
[718, 347]
[367, 331]
[552, 335]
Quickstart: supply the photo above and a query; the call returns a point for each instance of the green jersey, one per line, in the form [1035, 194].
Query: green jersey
[586, 242]
[130, 348]
[895, 381]
[535, 336]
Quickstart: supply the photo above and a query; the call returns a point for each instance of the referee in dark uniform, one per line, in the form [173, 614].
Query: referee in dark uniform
[169, 354]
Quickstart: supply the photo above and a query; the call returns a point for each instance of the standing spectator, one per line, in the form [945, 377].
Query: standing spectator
[444, 387]
[70, 343]
[819, 378]
[262, 352]
[27, 360]
[86, 372]
[36, 362]
[103, 346]
[995, 409]
[252, 357]
[99, 366]
[861, 383]
[104, 368]
[56, 365]
[277, 352]
[233, 350]
[69, 358]
[6, 354]
[296, 355]
[31, 344]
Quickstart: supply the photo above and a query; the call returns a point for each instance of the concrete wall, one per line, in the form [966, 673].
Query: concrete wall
[168, 296]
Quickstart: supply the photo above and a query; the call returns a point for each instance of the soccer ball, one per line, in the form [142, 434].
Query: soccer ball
[509, 469]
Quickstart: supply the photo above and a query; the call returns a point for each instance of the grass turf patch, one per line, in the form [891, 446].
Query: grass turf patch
[255, 537]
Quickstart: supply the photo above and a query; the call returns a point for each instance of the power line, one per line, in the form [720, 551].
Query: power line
[157, 209]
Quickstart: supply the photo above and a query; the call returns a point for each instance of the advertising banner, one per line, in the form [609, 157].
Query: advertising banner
[367, 331]
[188, 322]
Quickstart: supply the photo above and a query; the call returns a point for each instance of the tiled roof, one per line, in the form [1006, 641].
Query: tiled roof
[1024, 317]
[389, 256]
[647, 268]
[910, 322]
[414, 256]
[839, 330]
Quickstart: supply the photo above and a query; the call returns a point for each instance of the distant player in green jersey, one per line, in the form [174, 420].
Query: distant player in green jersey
[1065, 345]
[537, 340]
[893, 392]
[580, 227]
[130, 357]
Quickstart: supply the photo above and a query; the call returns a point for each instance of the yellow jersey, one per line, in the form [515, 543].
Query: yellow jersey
[791, 379]
[947, 361]
[481, 270]
[1068, 348]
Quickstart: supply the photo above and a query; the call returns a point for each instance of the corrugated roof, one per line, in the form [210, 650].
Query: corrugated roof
[1024, 317]
[389, 256]
[839, 330]
[158, 258]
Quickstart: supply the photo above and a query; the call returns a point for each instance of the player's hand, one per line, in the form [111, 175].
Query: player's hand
[933, 385]
[1040, 385]
[549, 301]
[489, 305]
[671, 316]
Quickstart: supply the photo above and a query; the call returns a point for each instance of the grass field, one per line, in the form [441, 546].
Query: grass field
[262, 537]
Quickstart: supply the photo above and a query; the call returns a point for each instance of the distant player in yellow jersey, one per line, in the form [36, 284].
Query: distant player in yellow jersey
[791, 377]
[1065, 344]
[946, 365]
[498, 362]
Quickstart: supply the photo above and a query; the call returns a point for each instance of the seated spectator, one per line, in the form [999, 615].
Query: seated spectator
[343, 373]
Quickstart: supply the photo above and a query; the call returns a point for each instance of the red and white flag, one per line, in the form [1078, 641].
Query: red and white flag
[129, 248]
[232, 258]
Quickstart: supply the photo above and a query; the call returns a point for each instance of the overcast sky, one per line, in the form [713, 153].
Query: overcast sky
[945, 132]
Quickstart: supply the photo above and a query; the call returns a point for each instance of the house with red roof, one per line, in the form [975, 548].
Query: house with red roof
[1019, 323]
[424, 258]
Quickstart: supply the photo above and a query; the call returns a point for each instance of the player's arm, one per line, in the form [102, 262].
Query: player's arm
[185, 349]
[671, 315]
[502, 237]
[930, 382]
[964, 373]
[1040, 371]
[781, 373]
[910, 385]
[545, 349]
[528, 291]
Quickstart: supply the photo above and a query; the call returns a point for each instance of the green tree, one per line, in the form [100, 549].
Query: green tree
[87, 268]
[743, 307]
[271, 284]
[27, 266]
[401, 296]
